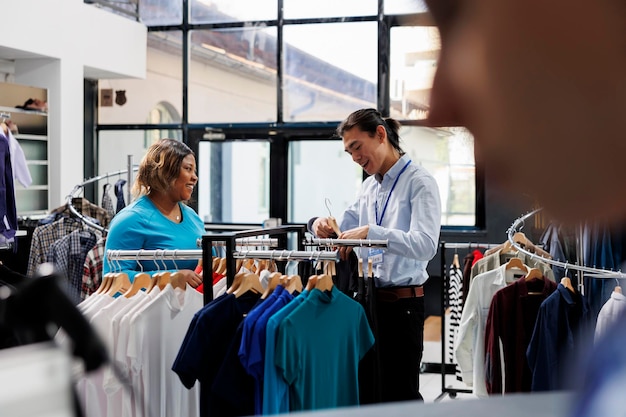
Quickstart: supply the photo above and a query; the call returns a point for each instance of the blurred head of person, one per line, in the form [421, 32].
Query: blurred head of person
[542, 87]
[168, 169]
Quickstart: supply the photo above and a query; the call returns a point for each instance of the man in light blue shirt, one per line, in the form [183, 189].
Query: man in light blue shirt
[399, 202]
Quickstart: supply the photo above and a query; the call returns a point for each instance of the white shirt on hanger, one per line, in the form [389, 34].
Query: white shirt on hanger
[609, 313]
[157, 333]
[470, 343]
[122, 360]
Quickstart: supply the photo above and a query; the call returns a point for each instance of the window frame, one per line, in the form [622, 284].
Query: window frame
[280, 133]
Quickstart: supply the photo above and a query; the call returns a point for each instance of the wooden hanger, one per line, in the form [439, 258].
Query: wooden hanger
[324, 282]
[618, 289]
[177, 279]
[311, 282]
[121, 283]
[250, 282]
[567, 283]
[273, 282]
[140, 282]
[164, 279]
[516, 263]
[455, 261]
[106, 283]
[294, 283]
[236, 282]
[216, 264]
[534, 273]
[221, 268]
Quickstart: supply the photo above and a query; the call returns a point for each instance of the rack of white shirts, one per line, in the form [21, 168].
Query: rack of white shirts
[518, 225]
[452, 392]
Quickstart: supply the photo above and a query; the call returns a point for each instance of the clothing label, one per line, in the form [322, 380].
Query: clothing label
[376, 255]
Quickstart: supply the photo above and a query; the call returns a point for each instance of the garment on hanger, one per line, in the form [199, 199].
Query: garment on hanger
[455, 297]
[510, 323]
[44, 236]
[255, 354]
[470, 342]
[107, 202]
[119, 194]
[325, 318]
[610, 312]
[493, 261]
[68, 254]
[275, 388]
[206, 345]
[157, 333]
[86, 208]
[18, 162]
[92, 269]
[8, 211]
[560, 330]
[470, 259]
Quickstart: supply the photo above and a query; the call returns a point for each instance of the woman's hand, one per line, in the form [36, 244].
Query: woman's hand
[322, 228]
[356, 233]
[191, 277]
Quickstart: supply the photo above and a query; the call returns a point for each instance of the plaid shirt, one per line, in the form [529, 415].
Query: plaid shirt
[107, 202]
[44, 236]
[68, 254]
[84, 207]
[92, 269]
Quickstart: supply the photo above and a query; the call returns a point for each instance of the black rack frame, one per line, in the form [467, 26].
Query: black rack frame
[230, 238]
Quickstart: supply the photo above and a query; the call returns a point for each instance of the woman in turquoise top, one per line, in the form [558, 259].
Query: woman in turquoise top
[159, 217]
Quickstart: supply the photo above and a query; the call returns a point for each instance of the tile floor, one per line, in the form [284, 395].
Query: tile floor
[430, 383]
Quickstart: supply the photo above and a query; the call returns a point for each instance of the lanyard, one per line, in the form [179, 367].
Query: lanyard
[380, 221]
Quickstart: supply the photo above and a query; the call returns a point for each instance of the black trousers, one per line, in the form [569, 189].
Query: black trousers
[400, 344]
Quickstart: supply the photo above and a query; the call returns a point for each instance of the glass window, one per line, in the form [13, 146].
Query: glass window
[448, 154]
[298, 9]
[233, 184]
[405, 6]
[325, 83]
[114, 146]
[414, 54]
[162, 88]
[311, 183]
[232, 75]
[161, 12]
[220, 11]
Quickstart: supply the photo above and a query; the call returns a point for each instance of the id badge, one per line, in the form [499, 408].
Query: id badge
[376, 255]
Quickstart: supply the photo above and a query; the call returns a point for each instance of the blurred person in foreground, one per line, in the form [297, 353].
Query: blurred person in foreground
[542, 87]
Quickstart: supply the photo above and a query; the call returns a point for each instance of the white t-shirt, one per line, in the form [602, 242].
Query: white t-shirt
[123, 361]
[157, 333]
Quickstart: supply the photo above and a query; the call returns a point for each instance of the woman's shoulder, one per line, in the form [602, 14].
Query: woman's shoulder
[141, 208]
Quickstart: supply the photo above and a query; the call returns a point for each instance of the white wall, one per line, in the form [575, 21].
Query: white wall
[55, 44]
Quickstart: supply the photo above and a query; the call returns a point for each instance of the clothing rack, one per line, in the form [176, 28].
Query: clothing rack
[518, 225]
[452, 392]
[229, 239]
[77, 188]
[368, 243]
[288, 255]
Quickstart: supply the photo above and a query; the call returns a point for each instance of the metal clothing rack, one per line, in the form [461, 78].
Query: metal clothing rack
[518, 225]
[229, 239]
[77, 188]
[452, 392]
[368, 243]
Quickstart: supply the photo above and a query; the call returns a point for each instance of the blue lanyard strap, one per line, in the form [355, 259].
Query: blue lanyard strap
[380, 221]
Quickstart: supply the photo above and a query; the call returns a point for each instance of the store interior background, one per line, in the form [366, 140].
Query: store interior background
[256, 88]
